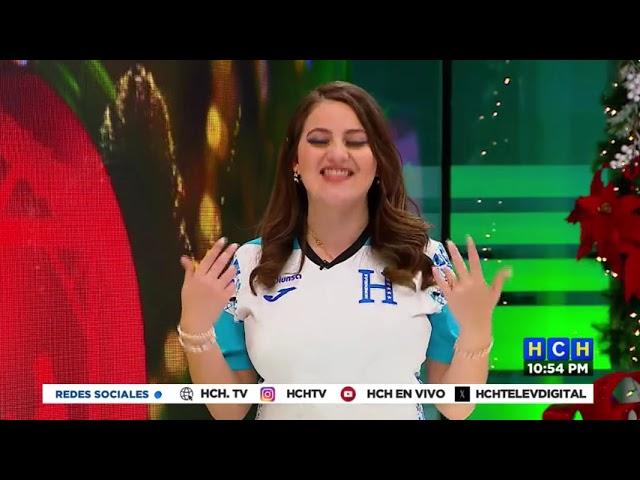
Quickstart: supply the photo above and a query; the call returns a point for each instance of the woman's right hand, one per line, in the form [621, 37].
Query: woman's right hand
[207, 288]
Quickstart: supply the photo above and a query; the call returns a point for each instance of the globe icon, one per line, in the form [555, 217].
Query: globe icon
[186, 393]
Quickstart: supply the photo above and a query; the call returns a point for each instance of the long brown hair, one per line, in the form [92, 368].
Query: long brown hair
[397, 235]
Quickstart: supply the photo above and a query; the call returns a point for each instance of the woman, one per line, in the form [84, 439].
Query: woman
[344, 284]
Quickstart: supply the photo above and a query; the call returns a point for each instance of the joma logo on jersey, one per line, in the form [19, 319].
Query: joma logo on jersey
[281, 293]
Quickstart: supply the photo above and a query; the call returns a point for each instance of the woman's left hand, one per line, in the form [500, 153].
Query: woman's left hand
[470, 299]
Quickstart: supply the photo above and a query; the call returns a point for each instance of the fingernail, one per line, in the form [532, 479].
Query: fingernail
[222, 240]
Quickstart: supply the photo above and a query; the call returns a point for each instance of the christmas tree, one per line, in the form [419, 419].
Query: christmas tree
[609, 216]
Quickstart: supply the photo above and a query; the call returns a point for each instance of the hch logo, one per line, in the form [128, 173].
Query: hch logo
[558, 349]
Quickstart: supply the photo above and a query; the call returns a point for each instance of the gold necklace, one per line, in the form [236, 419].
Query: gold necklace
[319, 244]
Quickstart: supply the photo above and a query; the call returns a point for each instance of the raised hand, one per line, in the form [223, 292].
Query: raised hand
[470, 299]
[207, 287]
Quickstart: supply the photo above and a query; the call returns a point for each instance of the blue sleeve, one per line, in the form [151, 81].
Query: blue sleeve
[230, 331]
[230, 337]
[444, 333]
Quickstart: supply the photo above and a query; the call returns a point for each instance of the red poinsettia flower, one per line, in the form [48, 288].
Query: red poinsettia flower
[632, 170]
[632, 274]
[608, 221]
[607, 405]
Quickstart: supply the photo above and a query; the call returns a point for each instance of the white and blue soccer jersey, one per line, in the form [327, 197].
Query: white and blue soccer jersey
[336, 323]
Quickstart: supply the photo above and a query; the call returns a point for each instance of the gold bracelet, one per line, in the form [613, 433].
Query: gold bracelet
[472, 355]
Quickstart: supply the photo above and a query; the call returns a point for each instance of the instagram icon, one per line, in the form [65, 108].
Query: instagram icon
[267, 394]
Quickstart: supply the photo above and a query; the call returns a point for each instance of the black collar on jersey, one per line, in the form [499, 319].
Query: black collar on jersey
[347, 254]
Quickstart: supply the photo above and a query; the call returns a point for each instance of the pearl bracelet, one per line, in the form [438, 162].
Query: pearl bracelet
[197, 348]
[195, 337]
[198, 342]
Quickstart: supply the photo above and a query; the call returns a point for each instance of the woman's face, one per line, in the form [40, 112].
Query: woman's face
[335, 161]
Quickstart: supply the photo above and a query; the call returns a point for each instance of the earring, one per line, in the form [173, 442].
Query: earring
[377, 180]
[296, 177]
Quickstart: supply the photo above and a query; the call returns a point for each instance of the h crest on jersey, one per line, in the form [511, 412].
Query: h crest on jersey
[368, 287]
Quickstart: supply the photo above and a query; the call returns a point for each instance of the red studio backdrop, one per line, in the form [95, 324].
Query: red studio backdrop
[69, 301]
